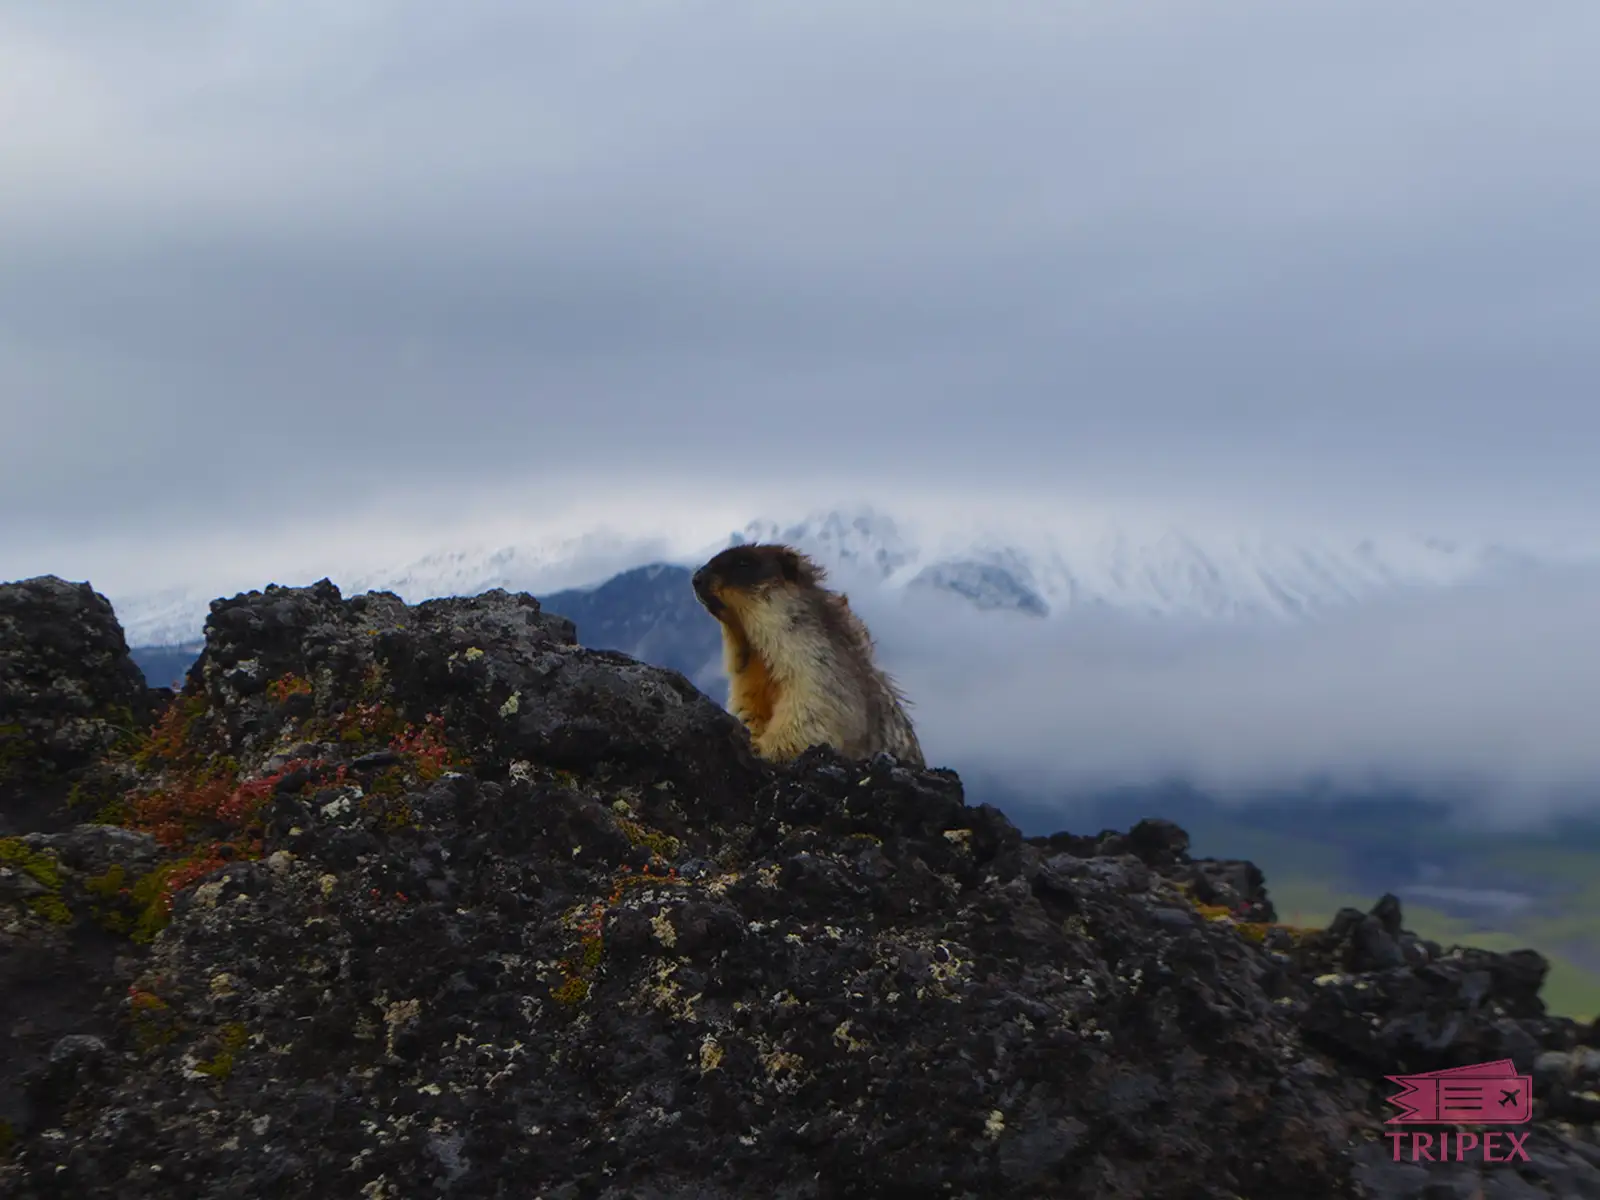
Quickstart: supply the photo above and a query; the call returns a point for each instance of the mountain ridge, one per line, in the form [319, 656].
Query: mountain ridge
[1031, 568]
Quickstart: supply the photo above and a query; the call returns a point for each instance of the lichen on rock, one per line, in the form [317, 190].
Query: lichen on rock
[407, 938]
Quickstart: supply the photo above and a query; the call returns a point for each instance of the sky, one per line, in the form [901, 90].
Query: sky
[293, 281]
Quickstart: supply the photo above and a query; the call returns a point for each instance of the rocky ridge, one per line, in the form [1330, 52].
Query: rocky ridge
[396, 901]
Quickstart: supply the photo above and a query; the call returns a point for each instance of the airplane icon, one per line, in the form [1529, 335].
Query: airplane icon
[1465, 1094]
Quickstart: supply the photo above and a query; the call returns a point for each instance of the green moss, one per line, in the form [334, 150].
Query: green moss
[150, 904]
[15, 746]
[51, 908]
[96, 794]
[1256, 931]
[114, 812]
[373, 682]
[390, 783]
[41, 867]
[120, 718]
[315, 729]
[663, 844]
[137, 908]
[574, 991]
[154, 1023]
[108, 886]
[234, 1038]
[115, 909]
[397, 815]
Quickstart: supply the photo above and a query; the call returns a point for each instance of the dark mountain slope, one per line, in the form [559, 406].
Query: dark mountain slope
[650, 614]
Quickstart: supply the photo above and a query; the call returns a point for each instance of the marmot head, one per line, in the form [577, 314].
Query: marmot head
[743, 575]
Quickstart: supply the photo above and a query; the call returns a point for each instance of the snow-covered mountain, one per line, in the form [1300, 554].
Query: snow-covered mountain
[1045, 569]
[1056, 568]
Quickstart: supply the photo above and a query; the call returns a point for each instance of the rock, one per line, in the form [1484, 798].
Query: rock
[462, 908]
[506, 678]
[56, 960]
[69, 692]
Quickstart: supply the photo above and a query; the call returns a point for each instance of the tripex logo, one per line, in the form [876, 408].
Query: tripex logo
[1483, 1094]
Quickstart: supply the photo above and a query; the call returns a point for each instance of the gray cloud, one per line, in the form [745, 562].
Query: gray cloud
[1485, 693]
[260, 259]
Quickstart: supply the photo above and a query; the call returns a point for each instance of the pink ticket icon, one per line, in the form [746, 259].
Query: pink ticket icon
[1483, 1094]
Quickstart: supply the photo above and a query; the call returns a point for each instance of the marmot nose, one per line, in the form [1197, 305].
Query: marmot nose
[699, 581]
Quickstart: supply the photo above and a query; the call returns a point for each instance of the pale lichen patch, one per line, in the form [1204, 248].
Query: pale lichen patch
[399, 1016]
[710, 1054]
[777, 1061]
[663, 993]
[662, 924]
[843, 1036]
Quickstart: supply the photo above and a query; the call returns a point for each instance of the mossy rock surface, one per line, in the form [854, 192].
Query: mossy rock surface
[416, 937]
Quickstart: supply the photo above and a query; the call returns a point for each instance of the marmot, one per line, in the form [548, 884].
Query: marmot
[799, 660]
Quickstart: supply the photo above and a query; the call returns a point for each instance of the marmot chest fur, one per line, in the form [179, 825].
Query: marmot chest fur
[799, 660]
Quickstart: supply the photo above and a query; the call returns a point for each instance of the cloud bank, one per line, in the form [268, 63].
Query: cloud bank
[1486, 695]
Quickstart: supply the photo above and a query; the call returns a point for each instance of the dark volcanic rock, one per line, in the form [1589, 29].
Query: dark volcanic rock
[507, 679]
[68, 693]
[477, 912]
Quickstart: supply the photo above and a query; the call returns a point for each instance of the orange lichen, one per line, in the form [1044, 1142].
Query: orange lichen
[198, 807]
[154, 1023]
[579, 967]
[368, 721]
[1257, 931]
[202, 804]
[289, 685]
[427, 748]
[170, 740]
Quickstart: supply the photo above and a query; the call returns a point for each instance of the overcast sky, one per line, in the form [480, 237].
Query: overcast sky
[277, 273]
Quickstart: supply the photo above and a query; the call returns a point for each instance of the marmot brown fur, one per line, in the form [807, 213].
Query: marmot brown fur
[799, 660]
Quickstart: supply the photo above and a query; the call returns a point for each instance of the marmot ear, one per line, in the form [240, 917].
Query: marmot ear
[790, 566]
